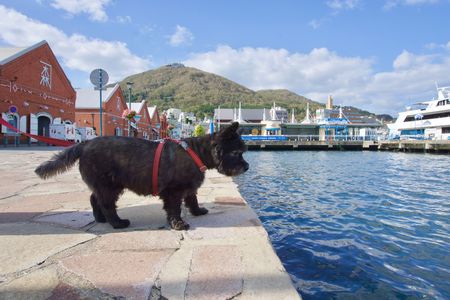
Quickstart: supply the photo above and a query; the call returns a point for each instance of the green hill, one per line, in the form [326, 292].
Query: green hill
[201, 92]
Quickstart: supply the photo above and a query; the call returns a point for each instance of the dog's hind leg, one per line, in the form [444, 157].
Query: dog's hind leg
[192, 203]
[172, 206]
[96, 210]
[106, 200]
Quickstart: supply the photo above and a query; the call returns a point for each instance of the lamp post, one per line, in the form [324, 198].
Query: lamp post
[129, 85]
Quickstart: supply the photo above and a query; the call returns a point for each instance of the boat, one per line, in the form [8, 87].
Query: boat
[429, 120]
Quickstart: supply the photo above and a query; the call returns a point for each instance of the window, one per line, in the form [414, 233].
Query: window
[12, 119]
[445, 129]
[430, 116]
[412, 132]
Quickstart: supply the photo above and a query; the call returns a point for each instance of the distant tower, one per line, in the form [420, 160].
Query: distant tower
[293, 120]
[340, 112]
[330, 102]
[307, 119]
[273, 113]
[264, 115]
[239, 118]
[234, 114]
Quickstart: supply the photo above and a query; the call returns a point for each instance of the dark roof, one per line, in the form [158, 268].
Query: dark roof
[248, 114]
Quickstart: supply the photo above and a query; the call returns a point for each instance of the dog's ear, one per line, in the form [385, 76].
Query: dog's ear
[230, 131]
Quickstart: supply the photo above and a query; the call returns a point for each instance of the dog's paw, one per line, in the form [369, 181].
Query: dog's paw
[124, 223]
[178, 224]
[199, 211]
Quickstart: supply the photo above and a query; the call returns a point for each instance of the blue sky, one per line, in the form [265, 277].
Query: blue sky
[378, 55]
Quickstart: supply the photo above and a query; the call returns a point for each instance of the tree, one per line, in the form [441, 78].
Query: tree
[199, 130]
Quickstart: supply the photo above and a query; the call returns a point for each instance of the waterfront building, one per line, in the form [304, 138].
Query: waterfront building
[164, 126]
[155, 122]
[345, 123]
[253, 119]
[34, 91]
[328, 123]
[279, 113]
[173, 113]
[87, 110]
[144, 121]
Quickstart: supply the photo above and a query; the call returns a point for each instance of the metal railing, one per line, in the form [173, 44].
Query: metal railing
[311, 138]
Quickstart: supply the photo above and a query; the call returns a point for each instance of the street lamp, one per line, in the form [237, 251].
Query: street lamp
[129, 85]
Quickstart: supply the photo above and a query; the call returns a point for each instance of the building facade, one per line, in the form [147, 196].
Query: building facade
[34, 91]
[144, 124]
[87, 113]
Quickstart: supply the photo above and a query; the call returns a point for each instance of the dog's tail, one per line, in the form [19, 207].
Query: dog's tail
[60, 162]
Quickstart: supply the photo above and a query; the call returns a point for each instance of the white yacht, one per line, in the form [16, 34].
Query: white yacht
[425, 120]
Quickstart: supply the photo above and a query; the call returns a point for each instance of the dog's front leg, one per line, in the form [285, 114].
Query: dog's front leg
[172, 206]
[192, 203]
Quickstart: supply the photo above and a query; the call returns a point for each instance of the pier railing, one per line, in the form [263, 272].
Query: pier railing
[310, 138]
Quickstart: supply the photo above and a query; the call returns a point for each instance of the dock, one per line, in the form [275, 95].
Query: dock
[51, 247]
[425, 146]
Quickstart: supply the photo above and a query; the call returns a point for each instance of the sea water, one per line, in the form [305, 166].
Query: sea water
[356, 225]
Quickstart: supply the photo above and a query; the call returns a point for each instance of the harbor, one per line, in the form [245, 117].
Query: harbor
[311, 143]
[355, 225]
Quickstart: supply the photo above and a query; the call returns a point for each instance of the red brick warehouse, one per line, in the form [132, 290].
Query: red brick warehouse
[34, 90]
[144, 125]
[113, 104]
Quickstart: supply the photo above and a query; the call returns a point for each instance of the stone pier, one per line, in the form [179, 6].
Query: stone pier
[51, 247]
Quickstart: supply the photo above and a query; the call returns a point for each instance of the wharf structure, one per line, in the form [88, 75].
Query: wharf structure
[53, 249]
[327, 125]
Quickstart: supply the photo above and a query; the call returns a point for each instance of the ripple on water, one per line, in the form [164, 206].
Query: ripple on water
[356, 224]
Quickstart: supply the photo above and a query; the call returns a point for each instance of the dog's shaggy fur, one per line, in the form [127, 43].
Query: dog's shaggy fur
[109, 165]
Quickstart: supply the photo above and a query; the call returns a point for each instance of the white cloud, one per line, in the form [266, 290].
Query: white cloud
[123, 19]
[342, 4]
[336, 7]
[352, 80]
[77, 52]
[393, 3]
[182, 36]
[315, 24]
[94, 8]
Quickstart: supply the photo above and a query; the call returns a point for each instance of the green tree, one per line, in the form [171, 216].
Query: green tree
[199, 130]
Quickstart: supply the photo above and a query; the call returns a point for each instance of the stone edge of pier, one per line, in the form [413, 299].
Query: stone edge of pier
[53, 249]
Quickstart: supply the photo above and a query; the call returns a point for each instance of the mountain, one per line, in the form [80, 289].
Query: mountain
[201, 92]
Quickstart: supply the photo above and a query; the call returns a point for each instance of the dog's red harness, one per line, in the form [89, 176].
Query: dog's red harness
[159, 150]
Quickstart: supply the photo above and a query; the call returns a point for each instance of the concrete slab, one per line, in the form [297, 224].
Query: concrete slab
[52, 187]
[126, 274]
[151, 216]
[230, 201]
[264, 275]
[25, 245]
[75, 220]
[24, 209]
[33, 286]
[174, 276]
[138, 241]
[215, 273]
[225, 223]
[65, 291]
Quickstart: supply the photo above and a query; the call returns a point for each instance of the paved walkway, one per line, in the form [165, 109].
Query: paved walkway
[51, 248]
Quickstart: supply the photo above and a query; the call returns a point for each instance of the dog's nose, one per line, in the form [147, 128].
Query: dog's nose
[246, 167]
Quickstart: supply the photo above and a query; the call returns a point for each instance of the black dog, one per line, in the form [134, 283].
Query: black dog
[109, 165]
